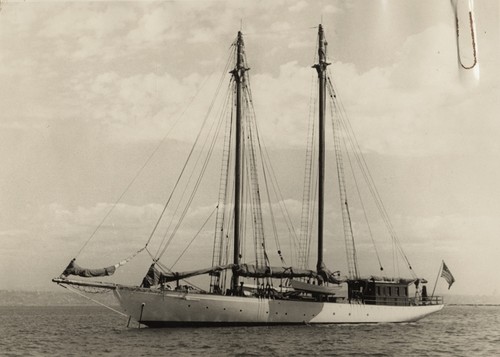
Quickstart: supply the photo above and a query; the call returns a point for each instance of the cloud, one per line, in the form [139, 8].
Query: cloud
[331, 9]
[298, 6]
[419, 97]
[87, 19]
[154, 26]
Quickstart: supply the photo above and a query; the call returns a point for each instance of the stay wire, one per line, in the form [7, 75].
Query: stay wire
[200, 177]
[266, 163]
[138, 173]
[371, 184]
[183, 193]
[342, 124]
[195, 236]
[189, 155]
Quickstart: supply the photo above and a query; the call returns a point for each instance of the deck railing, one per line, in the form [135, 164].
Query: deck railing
[400, 301]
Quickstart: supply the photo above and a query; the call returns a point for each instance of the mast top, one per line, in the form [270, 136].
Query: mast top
[322, 44]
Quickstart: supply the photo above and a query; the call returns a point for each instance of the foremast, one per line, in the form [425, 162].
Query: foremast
[238, 74]
[321, 69]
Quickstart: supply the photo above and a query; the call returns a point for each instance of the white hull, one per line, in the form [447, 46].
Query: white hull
[170, 308]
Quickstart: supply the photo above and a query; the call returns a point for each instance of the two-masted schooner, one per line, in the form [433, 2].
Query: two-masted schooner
[261, 294]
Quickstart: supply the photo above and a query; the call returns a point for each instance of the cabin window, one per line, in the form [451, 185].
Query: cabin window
[397, 291]
[378, 290]
[389, 291]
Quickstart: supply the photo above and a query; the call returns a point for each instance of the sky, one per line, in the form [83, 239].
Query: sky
[90, 89]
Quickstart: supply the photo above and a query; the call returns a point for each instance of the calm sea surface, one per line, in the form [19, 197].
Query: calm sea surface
[95, 331]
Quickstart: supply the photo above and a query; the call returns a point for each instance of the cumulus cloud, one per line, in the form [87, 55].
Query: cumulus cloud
[298, 6]
[331, 9]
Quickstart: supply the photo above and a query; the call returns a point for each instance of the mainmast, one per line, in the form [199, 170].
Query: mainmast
[321, 69]
[238, 73]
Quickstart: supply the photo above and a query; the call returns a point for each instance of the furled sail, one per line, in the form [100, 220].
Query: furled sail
[75, 269]
[154, 276]
[253, 271]
[173, 276]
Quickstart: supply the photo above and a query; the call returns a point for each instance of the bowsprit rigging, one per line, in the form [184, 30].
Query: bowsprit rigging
[245, 285]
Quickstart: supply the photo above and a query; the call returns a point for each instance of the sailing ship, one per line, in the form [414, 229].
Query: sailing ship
[260, 294]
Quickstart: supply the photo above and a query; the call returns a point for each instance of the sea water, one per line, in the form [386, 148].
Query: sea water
[96, 331]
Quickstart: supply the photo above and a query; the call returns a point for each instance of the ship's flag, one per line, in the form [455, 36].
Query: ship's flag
[446, 274]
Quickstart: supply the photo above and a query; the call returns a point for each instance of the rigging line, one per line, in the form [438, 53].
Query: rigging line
[371, 184]
[197, 183]
[252, 196]
[93, 300]
[221, 216]
[274, 180]
[359, 193]
[193, 169]
[195, 236]
[252, 120]
[155, 150]
[195, 189]
[189, 155]
[280, 197]
[165, 268]
[267, 167]
[366, 172]
[313, 189]
[275, 229]
[217, 253]
[137, 174]
[244, 214]
[207, 115]
[189, 179]
[255, 192]
[228, 241]
[305, 216]
[253, 221]
[362, 204]
[309, 190]
[346, 216]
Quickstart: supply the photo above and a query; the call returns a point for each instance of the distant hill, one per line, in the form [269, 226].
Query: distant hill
[51, 298]
[471, 300]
